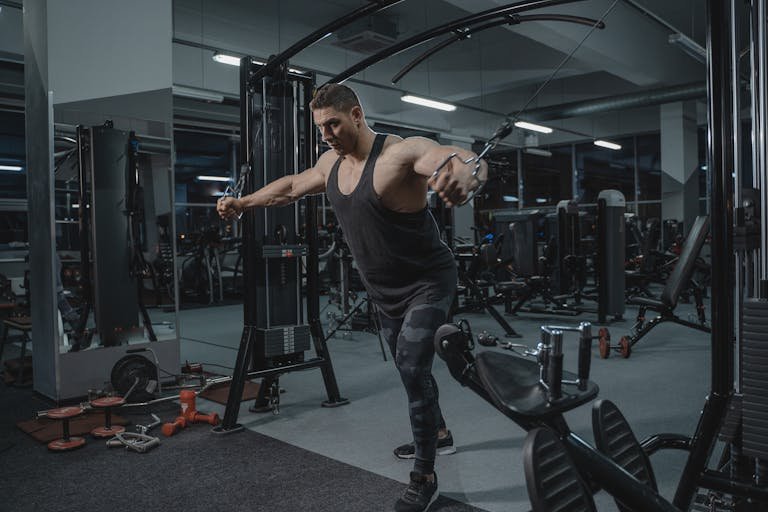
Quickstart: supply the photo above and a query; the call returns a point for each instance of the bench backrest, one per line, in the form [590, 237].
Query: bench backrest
[686, 263]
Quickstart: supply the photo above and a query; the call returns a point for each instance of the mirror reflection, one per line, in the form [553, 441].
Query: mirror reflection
[113, 210]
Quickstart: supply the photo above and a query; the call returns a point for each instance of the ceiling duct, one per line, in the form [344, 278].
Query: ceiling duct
[692, 91]
[367, 36]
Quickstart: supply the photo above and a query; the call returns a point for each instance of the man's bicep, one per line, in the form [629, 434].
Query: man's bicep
[311, 181]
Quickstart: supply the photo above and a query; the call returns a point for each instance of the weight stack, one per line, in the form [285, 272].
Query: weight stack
[285, 340]
[755, 378]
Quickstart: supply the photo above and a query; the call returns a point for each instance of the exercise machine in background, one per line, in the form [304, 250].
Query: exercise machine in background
[275, 120]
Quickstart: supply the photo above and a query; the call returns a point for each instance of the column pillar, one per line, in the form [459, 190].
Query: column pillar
[679, 163]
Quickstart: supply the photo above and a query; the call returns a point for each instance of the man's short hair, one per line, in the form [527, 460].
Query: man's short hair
[337, 96]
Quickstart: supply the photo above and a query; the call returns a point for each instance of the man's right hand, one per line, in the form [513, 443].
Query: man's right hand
[229, 207]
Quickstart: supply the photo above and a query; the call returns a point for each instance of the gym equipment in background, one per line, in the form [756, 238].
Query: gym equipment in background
[610, 255]
[679, 280]
[477, 264]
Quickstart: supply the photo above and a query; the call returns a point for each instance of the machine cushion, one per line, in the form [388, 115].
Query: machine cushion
[655, 304]
[614, 438]
[553, 481]
[513, 384]
[510, 286]
[686, 263]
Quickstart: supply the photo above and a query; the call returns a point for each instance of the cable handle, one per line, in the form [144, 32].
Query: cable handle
[237, 190]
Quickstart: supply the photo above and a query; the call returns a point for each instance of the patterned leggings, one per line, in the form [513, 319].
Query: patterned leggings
[411, 341]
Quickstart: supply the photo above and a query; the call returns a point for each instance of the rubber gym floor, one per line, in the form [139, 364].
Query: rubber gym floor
[309, 457]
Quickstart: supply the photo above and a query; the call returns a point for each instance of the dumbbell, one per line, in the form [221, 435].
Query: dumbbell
[171, 428]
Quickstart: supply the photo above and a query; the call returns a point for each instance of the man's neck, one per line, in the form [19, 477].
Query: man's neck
[363, 146]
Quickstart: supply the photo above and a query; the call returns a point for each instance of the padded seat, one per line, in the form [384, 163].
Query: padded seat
[512, 382]
[552, 478]
[510, 286]
[654, 304]
[615, 439]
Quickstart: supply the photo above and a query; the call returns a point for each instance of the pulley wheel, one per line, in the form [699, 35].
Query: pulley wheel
[127, 370]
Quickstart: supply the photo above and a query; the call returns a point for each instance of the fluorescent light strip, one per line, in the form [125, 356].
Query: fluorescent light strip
[213, 178]
[223, 58]
[539, 152]
[533, 127]
[16, 168]
[424, 102]
[607, 144]
[233, 60]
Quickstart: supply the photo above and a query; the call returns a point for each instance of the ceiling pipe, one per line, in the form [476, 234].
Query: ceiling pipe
[466, 33]
[692, 91]
[446, 28]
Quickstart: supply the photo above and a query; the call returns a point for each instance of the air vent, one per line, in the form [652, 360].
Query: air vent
[367, 36]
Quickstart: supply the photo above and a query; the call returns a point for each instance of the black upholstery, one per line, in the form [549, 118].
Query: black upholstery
[615, 439]
[513, 385]
[686, 263]
[649, 302]
[683, 271]
[553, 481]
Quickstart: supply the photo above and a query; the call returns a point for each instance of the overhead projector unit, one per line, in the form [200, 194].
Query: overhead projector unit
[367, 36]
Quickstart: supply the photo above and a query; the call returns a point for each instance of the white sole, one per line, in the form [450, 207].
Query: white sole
[447, 450]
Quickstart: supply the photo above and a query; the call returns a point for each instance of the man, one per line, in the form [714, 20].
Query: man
[377, 185]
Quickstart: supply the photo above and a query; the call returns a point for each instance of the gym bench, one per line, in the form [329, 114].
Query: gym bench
[679, 280]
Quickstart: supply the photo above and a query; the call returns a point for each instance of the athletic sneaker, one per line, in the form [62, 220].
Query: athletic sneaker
[444, 447]
[419, 494]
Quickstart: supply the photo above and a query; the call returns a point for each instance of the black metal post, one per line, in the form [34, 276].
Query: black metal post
[720, 163]
[614, 479]
[244, 353]
[602, 272]
[84, 232]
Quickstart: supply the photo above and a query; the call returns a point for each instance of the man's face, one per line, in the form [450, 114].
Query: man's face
[338, 129]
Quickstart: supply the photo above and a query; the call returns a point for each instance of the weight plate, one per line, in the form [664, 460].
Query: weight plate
[127, 370]
[107, 401]
[625, 347]
[605, 347]
[60, 445]
[65, 412]
[105, 432]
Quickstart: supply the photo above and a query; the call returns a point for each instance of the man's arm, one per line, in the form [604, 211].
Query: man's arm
[455, 179]
[280, 192]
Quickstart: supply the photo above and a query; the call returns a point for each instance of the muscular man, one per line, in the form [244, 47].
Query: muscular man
[377, 185]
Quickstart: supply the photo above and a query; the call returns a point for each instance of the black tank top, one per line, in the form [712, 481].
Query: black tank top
[401, 258]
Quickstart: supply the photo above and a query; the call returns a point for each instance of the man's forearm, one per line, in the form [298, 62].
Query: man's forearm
[276, 193]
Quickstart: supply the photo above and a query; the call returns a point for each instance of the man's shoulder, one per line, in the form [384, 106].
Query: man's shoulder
[326, 161]
[408, 148]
